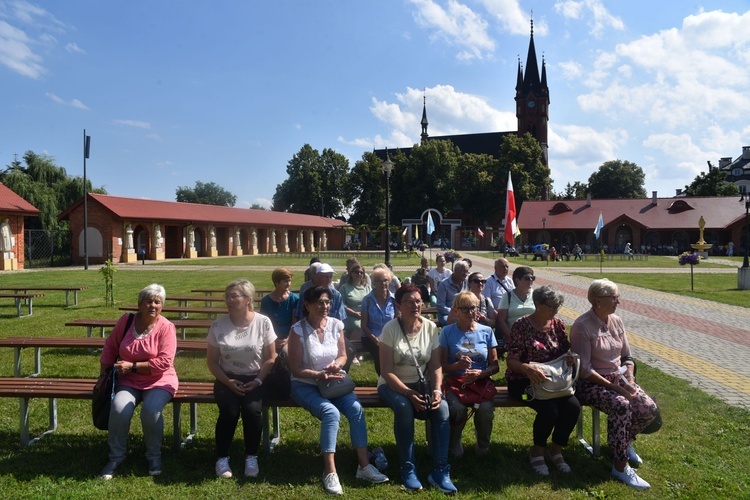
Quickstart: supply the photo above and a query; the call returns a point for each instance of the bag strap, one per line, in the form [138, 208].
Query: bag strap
[118, 338]
[306, 335]
[416, 363]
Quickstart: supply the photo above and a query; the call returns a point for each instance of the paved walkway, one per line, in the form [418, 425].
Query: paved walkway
[703, 342]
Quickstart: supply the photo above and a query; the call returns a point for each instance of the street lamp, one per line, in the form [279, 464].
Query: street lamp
[544, 233]
[745, 197]
[387, 167]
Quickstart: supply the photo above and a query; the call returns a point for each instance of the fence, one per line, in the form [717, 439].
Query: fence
[46, 248]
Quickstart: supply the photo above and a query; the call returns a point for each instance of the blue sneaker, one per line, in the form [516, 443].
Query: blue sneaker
[441, 479]
[409, 477]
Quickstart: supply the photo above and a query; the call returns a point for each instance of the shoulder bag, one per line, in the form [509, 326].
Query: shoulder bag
[332, 388]
[561, 378]
[101, 403]
[423, 385]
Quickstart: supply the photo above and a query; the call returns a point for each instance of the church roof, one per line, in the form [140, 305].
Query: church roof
[11, 202]
[191, 213]
[649, 213]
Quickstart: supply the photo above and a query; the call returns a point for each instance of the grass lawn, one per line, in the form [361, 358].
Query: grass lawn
[654, 261]
[701, 452]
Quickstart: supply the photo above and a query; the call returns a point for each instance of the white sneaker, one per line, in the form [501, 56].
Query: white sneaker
[222, 468]
[633, 457]
[251, 466]
[629, 477]
[332, 485]
[372, 474]
[108, 471]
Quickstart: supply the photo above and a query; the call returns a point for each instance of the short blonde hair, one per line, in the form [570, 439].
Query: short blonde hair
[381, 273]
[247, 289]
[465, 299]
[601, 288]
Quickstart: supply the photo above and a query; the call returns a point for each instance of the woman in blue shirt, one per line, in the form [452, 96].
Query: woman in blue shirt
[378, 308]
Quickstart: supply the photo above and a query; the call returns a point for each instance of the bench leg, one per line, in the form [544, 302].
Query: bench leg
[177, 442]
[271, 440]
[24, 421]
[594, 447]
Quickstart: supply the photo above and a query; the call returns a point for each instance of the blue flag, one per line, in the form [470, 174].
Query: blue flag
[599, 226]
[430, 224]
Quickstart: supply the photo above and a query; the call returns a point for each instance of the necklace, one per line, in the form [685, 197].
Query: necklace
[145, 332]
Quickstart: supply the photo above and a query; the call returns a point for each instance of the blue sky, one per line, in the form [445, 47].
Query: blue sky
[174, 92]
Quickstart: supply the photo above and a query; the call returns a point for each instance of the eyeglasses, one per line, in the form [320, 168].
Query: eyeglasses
[233, 296]
[613, 297]
[467, 310]
[324, 303]
[530, 277]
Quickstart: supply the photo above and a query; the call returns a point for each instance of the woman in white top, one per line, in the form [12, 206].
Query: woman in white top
[241, 353]
[316, 352]
[518, 302]
[438, 273]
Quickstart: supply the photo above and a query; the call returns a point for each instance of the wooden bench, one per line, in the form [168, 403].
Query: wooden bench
[183, 311]
[37, 343]
[20, 299]
[184, 300]
[193, 393]
[66, 289]
[210, 291]
[103, 324]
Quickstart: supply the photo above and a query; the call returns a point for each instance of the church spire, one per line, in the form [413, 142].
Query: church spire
[531, 77]
[424, 119]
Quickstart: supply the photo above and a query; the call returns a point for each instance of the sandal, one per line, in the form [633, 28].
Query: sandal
[559, 462]
[539, 466]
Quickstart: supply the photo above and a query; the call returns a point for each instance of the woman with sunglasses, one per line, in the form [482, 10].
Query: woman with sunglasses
[486, 314]
[518, 302]
[541, 337]
[467, 350]
[599, 338]
[316, 352]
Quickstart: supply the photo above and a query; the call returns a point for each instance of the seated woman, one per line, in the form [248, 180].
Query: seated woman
[143, 357]
[378, 308]
[467, 349]
[421, 280]
[540, 337]
[486, 314]
[598, 337]
[241, 353]
[316, 352]
[409, 353]
[353, 291]
[516, 303]
[279, 306]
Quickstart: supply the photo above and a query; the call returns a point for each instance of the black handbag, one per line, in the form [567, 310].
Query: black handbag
[104, 393]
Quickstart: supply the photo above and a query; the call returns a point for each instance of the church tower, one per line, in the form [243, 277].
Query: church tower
[424, 120]
[532, 98]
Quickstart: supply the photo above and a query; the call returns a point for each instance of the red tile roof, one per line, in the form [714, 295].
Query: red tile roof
[668, 213]
[173, 211]
[12, 202]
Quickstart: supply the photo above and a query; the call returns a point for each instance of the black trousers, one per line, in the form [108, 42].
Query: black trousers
[231, 407]
[557, 417]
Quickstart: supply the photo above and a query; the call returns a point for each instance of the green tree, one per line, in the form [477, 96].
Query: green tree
[364, 191]
[575, 191]
[424, 180]
[257, 206]
[47, 186]
[618, 179]
[315, 184]
[480, 186]
[713, 183]
[522, 157]
[208, 193]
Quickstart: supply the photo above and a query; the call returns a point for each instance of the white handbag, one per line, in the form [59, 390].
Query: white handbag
[561, 378]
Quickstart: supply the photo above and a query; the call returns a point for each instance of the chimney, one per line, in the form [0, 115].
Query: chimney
[725, 161]
[678, 192]
[588, 199]
[653, 198]
[746, 152]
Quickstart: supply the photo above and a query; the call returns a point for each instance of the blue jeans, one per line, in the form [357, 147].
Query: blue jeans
[403, 426]
[123, 406]
[329, 414]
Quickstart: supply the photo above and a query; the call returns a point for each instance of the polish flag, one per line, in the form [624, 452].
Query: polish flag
[480, 233]
[511, 223]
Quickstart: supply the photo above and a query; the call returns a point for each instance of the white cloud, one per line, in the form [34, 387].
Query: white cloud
[264, 202]
[512, 18]
[600, 18]
[73, 47]
[571, 70]
[16, 52]
[74, 103]
[133, 123]
[458, 25]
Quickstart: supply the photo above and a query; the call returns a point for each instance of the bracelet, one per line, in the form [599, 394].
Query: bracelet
[438, 391]
[259, 380]
[406, 394]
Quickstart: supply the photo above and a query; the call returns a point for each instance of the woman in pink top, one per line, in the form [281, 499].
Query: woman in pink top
[598, 337]
[142, 350]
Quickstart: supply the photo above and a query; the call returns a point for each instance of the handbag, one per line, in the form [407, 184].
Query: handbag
[331, 388]
[561, 378]
[470, 394]
[101, 403]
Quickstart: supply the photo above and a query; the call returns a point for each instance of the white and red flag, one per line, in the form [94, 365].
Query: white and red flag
[511, 222]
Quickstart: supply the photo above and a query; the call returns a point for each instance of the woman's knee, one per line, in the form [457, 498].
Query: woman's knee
[329, 413]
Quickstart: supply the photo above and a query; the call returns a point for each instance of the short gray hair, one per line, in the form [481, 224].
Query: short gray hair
[461, 263]
[152, 290]
[547, 296]
[601, 288]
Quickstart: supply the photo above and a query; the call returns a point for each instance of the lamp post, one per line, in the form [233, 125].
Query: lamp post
[387, 167]
[745, 197]
[544, 233]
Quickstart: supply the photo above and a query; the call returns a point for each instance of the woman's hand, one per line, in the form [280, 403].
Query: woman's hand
[437, 397]
[534, 373]
[463, 363]
[416, 399]
[332, 368]
[570, 359]
[236, 386]
[471, 376]
[123, 367]
[280, 343]
[326, 375]
[252, 385]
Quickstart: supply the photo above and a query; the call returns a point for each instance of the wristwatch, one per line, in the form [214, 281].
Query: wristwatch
[134, 368]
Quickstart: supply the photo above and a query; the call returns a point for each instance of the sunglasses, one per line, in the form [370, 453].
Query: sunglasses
[530, 277]
[481, 282]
